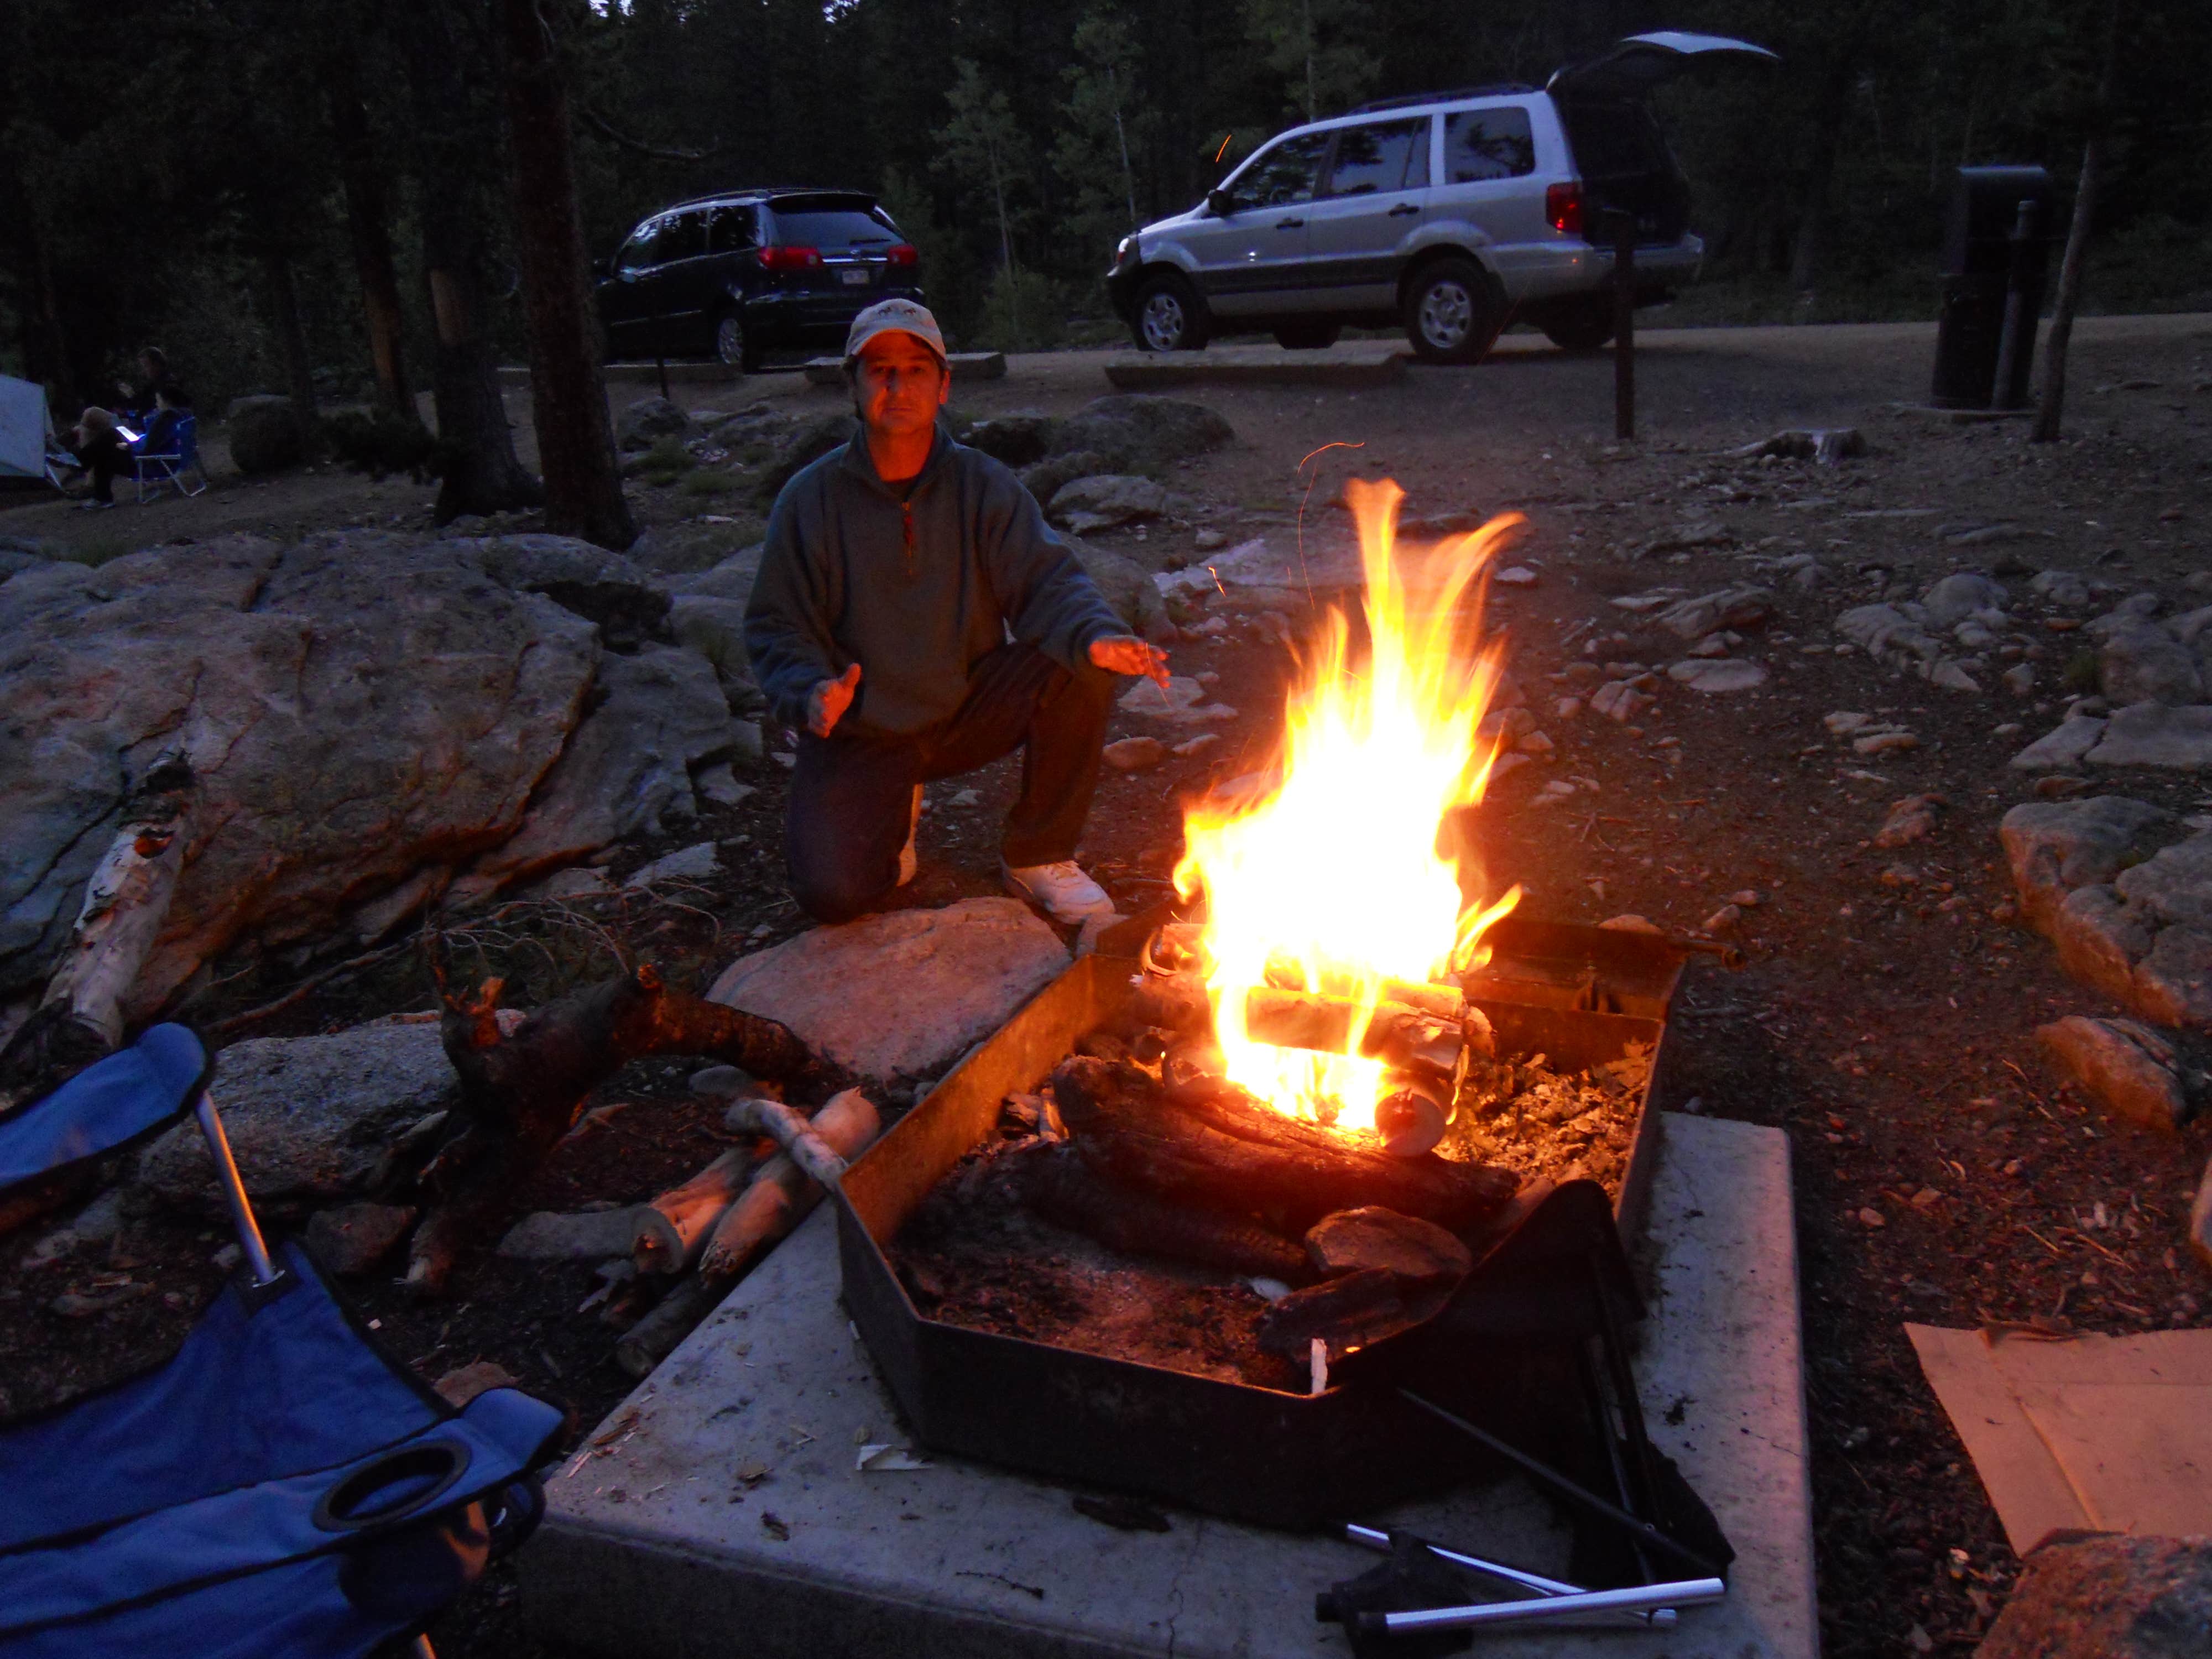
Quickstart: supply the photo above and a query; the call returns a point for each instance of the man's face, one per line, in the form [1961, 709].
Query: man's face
[898, 385]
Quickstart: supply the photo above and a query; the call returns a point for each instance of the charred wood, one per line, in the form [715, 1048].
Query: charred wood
[1060, 1184]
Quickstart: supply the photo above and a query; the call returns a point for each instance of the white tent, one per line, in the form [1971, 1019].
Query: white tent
[25, 426]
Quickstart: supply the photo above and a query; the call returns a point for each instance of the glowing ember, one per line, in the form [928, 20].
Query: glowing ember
[1335, 877]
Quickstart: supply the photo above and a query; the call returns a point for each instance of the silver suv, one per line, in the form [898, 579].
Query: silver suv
[1449, 214]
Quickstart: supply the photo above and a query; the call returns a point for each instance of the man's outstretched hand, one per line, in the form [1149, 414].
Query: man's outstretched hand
[827, 702]
[1124, 653]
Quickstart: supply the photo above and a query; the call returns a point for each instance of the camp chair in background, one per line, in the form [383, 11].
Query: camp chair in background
[280, 1486]
[170, 449]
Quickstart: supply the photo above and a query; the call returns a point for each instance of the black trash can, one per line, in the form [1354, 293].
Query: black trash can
[1994, 253]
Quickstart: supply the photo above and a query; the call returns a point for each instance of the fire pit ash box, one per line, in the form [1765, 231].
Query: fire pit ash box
[1580, 995]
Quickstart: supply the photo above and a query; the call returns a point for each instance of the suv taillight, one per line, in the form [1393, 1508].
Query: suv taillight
[789, 258]
[1563, 206]
[900, 253]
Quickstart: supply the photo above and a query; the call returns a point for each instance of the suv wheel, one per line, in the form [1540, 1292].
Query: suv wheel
[1452, 313]
[1169, 317]
[1583, 324]
[1308, 337]
[730, 342]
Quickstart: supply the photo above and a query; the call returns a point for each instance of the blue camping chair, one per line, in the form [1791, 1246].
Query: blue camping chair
[170, 449]
[280, 1487]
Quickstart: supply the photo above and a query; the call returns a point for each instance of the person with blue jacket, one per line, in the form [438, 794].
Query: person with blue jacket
[914, 618]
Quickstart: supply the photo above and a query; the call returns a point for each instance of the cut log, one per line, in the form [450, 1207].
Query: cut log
[789, 1130]
[671, 1230]
[587, 1236]
[1397, 1033]
[1353, 1241]
[1060, 1184]
[654, 1337]
[79, 1017]
[1237, 1156]
[781, 1194]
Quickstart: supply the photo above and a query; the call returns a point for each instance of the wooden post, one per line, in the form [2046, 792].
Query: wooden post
[1623, 327]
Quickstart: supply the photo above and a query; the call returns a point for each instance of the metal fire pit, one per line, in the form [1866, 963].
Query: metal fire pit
[1578, 994]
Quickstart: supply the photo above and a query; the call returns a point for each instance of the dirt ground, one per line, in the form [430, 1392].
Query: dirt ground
[1885, 1021]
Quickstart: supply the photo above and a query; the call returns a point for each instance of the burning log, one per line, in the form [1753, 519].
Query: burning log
[1401, 1034]
[1060, 1184]
[1236, 1156]
[1347, 1314]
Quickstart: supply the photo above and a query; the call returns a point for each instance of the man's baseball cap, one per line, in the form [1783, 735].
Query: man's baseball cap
[894, 317]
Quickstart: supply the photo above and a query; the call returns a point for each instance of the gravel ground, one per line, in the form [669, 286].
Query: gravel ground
[1943, 1173]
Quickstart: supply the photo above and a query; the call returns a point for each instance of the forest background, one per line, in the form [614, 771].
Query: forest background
[241, 181]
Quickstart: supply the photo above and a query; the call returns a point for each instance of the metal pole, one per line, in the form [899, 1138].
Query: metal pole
[233, 1190]
[2016, 344]
[1624, 326]
[1689, 1592]
[1637, 1528]
[1535, 1583]
[423, 1649]
[661, 363]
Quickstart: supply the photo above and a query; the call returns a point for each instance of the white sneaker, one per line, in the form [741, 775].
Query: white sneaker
[1061, 891]
[908, 863]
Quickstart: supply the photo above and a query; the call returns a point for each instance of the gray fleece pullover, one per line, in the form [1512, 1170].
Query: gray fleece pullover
[915, 591]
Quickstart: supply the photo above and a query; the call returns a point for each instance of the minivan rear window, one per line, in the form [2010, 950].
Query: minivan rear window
[1488, 143]
[832, 227]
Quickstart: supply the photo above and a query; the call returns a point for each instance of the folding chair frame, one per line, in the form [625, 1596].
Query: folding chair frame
[171, 465]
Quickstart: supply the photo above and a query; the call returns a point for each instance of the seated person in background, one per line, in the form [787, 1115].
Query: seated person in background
[915, 619]
[104, 445]
[155, 381]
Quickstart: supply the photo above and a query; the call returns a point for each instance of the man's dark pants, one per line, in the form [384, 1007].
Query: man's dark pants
[104, 454]
[851, 795]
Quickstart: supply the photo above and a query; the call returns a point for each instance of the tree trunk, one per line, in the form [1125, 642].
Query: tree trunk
[291, 338]
[1827, 142]
[480, 472]
[567, 392]
[369, 221]
[2049, 413]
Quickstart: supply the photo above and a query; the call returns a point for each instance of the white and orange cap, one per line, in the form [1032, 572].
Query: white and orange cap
[894, 317]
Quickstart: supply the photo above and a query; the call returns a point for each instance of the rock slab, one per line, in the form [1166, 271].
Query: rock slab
[902, 994]
[307, 1117]
[2109, 1597]
[2122, 1064]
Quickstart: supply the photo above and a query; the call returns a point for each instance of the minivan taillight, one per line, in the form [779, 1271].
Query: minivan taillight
[1563, 206]
[789, 258]
[900, 253]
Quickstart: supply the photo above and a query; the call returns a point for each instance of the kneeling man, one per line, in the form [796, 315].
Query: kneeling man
[913, 617]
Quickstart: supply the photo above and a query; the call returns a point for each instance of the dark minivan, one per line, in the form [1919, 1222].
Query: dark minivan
[745, 273]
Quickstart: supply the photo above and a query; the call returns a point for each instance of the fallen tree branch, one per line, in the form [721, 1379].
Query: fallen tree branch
[607, 130]
[791, 1131]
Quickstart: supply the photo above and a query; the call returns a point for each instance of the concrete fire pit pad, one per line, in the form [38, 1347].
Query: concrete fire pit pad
[719, 1510]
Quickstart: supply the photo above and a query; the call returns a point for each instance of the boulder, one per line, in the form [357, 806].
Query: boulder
[628, 603]
[627, 768]
[354, 1238]
[266, 434]
[714, 629]
[2122, 1064]
[2140, 662]
[2062, 588]
[1714, 675]
[1909, 820]
[1019, 438]
[2108, 1596]
[307, 1117]
[1085, 506]
[1045, 479]
[1141, 433]
[729, 578]
[694, 549]
[1954, 599]
[649, 420]
[1134, 754]
[2065, 746]
[2056, 848]
[693, 863]
[1730, 607]
[2152, 734]
[355, 708]
[902, 994]
[1130, 589]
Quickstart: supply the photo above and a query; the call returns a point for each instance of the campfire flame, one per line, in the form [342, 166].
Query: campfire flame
[1330, 879]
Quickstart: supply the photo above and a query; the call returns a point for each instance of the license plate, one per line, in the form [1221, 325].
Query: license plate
[853, 278]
